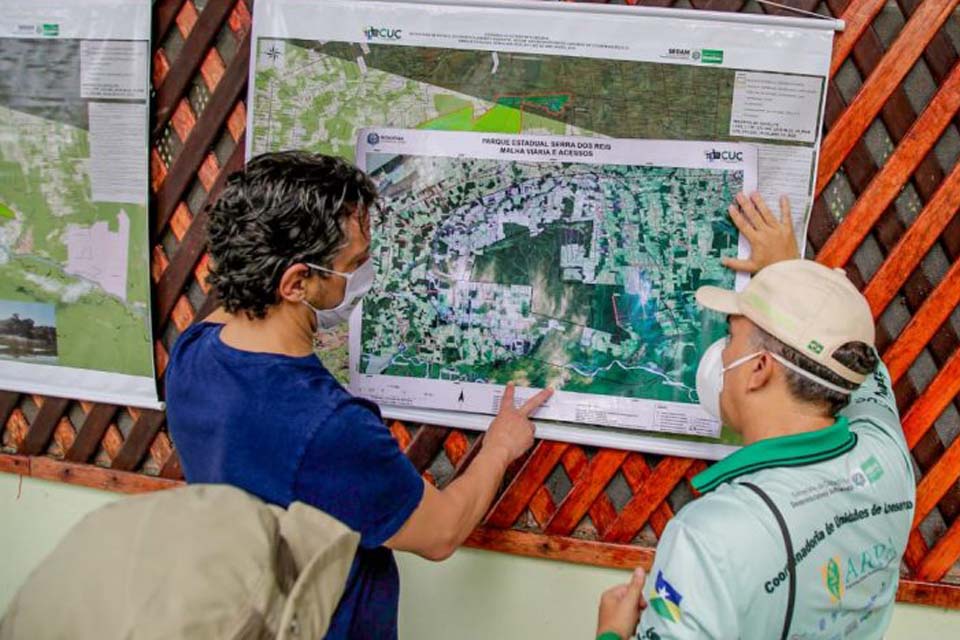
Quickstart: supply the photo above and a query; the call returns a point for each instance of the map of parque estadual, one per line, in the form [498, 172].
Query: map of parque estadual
[573, 275]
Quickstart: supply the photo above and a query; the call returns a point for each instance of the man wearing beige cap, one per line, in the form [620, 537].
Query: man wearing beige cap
[800, 533]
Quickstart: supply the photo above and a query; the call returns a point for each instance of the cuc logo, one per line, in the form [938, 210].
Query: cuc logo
[381, 33]
[373, 137]
[715, 154]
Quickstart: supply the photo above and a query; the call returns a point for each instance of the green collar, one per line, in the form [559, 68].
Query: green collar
[785, 451]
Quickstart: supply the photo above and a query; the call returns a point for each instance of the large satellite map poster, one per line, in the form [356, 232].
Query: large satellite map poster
[74, 258]
[323, 73]
[547, 261]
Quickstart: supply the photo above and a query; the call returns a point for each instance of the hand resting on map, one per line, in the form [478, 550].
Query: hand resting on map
[771, 239]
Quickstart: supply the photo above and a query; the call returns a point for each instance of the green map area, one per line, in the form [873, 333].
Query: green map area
[81, 265]
[570, 275]
[317, 96]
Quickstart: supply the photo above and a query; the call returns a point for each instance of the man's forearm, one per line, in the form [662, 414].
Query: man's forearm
[471, 494]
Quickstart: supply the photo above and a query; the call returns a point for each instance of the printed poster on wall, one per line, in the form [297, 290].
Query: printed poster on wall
[74, 255]
[555, 180]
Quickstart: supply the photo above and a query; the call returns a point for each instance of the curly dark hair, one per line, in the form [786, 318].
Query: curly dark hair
[281, 209]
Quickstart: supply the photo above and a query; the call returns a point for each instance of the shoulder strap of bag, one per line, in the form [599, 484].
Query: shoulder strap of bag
[791, 560]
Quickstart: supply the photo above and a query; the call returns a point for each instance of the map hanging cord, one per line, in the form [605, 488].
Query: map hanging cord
[794, 9]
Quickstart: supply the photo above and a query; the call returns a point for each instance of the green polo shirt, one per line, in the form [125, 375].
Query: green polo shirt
[846, 493]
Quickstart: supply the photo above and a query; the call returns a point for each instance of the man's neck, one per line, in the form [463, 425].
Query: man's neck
[283, 331]
[781, 418]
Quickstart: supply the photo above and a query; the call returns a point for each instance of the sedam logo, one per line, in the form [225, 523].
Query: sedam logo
[730, 156]
[382, 33]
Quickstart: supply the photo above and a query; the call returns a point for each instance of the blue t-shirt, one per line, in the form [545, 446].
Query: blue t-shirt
[283, 429]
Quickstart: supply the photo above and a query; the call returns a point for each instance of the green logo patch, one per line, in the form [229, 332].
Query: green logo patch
[49, 30]
[872, 468]
[815, 347]
[832, 579]
[711, 56]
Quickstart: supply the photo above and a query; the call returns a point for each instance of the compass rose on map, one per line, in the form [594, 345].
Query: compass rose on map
[274, 54]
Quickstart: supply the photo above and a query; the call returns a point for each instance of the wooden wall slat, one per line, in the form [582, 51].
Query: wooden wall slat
[172, 469]
[177, 81]
[940, 54]
[601, 510]
[97, 477]
[467, 457]
[604, 554]
[644, 502]
[536, 469]
[41, 430]
[425, 446]
[193, 244]
[910, 43]
[932, 403]
[936, 481]
[587, 487]
[636, 471]
[914, 244]
[887, 184]
[135, 446]
[455, 446]
[857, 17]
[916, 551]
[19, 465]
[209, 124]
[929, 593]
[942, 556]
[542, 506]
[924, 323]
[164, 15]
[91, 432]
[897, 115]
[8, 402]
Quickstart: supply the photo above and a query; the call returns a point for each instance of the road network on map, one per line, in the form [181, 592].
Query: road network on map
[68, 264]
[317, 95]
[573, 275]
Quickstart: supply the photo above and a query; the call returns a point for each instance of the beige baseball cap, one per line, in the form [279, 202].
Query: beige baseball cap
[805, 305]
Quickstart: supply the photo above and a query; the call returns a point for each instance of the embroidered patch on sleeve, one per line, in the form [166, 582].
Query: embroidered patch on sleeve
[666, 601]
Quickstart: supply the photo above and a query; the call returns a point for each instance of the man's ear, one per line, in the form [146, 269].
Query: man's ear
[293, 286]
[761, 372]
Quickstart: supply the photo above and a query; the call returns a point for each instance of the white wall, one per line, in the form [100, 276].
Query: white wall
[476, 595]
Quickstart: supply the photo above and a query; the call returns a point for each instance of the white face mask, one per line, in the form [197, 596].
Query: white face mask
[358, 284]
[710, 375]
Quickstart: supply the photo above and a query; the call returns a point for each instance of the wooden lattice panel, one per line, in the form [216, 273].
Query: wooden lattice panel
[888, 196]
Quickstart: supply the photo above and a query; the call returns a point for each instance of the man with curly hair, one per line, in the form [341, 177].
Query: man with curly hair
[249, 404]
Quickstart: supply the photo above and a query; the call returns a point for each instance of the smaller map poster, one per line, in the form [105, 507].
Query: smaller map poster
[74, 257]
[557, 261]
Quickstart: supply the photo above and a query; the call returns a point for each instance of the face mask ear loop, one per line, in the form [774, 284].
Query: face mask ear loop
[810, 376]
[739, 361]
[346, 276]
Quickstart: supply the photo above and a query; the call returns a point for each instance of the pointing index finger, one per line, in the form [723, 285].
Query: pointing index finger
[530, 406]
[507, 399]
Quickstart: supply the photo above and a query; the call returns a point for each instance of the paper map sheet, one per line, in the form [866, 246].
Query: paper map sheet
[74, 255]
[321, 73]
[559, 261]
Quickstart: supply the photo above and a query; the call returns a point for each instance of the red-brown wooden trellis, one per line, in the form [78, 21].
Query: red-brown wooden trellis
[888, 197]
